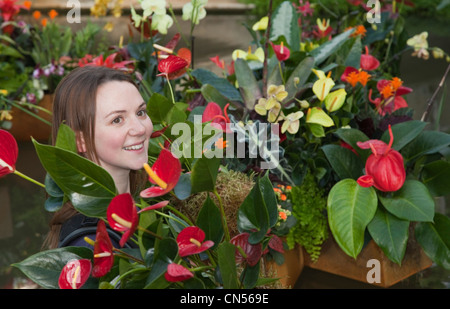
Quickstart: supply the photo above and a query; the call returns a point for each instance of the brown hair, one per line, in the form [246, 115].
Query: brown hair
[74, 104]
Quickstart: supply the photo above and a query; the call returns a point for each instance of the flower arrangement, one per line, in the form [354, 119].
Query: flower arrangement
[346, 158]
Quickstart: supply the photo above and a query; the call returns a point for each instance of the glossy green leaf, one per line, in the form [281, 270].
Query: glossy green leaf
[350, 208]
[435, 239]
[285, 24]
[204, 174]
[412, 202]
[344, 162]
[210, 221]
[226, 259]
[44, 267]
[158, 107]
[222, 85]
[211, 94]
[352, 137]
[88, 186]
[404, 133]
[248, 84]
[322, 52]
[425, 143]
[165, 252]
[66, 138]
[390, 234]
[302, 71]
[183, 188]
[353, 56]
[436, 176]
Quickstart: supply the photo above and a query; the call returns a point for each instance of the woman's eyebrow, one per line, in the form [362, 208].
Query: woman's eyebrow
[124, 111]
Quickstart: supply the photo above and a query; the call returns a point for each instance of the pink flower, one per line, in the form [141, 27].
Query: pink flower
[369, 62]
[177, 273]
[213, 113]
[281, 51]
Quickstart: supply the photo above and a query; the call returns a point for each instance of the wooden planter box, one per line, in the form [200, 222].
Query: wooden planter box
[26, 126]
[333, 260]
[289, 271]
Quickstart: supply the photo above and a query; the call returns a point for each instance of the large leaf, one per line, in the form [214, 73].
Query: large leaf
[210, 221]
[88, 186]
[165, 252]
[222, 85]
[390, 234]
[204, 174]
[404, 133]
[227, 265]
[248, 84]
[344, 162]
[436, 176]
[326, 49]
[435, 239]
[352, 137]
[158, 108]
[44, 267]
[285, 24]
[350, 208]
[427, 142]
[412, 202]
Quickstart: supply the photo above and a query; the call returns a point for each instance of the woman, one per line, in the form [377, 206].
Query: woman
[108, 115]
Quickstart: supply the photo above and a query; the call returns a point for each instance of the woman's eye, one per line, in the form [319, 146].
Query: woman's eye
[117, 120]
[142, 113]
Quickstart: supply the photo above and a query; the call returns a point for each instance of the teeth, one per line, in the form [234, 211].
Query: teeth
[134, 147]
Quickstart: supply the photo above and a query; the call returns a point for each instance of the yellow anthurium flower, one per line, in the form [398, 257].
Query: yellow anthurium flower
[239, 53]
[323, 85]
[318, 116]
[260, 108]
[335, 100]
[261, 24]
[292, 122]
[275, 113]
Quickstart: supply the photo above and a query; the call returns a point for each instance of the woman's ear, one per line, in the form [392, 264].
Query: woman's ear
[81, 144]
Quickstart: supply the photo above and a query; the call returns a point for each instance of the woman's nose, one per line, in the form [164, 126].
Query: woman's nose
[137, 127]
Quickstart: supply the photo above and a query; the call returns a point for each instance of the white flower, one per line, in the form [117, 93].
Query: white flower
[150, 7]
[194, 10]
[291, 122]
[161, 23]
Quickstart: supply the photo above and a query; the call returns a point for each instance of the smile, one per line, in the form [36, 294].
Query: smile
[134, 147]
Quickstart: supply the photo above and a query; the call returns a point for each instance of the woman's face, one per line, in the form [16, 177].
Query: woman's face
[122, 127]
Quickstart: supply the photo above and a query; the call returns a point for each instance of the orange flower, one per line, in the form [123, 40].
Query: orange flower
[283, 197]
[363, 77]
[353, 78]
[387, 91]
[44, 22]
[52, 14]
[282, 215]
[359, 30]
[221, 144]
[27, 4]
[396, 83]
[36, 14]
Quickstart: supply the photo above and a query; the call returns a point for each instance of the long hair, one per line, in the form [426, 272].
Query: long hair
[74, 104]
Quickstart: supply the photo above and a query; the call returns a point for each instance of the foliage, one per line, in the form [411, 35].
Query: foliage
[331, 96]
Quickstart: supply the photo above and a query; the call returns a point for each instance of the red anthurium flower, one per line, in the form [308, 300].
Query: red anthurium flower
[390, 99]
[173, 66]
[218, 62]
[213, 113]
[165, 173]
[103, 251]
[109, 62]
[75, 274]
[369, 62]
[155, 206]
[385, 166]
[275, 243]
[190, 241]
[122, 216]
[281, 51]
[8, 153]
[177, 273]
[252, 253]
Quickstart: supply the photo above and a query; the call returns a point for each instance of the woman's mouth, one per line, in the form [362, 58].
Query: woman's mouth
[134, 147]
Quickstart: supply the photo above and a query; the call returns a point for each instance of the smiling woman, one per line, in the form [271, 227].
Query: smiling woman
[108, 115]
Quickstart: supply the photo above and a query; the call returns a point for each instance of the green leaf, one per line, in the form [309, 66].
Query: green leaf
[436, 176]
[435, 239]
[210, 221]
[222, 85]
[44, 267]
[165, 252]
[352, 137]
[204, 174]
[343, 161]
[211, 94]
[353, 56]
[390, 234]
[66, 138]
[248, 84]
[302, 72]
[183, 188]
[427, 142]
[226, 259]
[285, 23]
[158, 108]
[88, 186]
[322, 52]
[412, 202]
[350, 208]
[404, 133]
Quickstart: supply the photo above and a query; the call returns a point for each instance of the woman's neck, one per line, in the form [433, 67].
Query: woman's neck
[122, 180]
